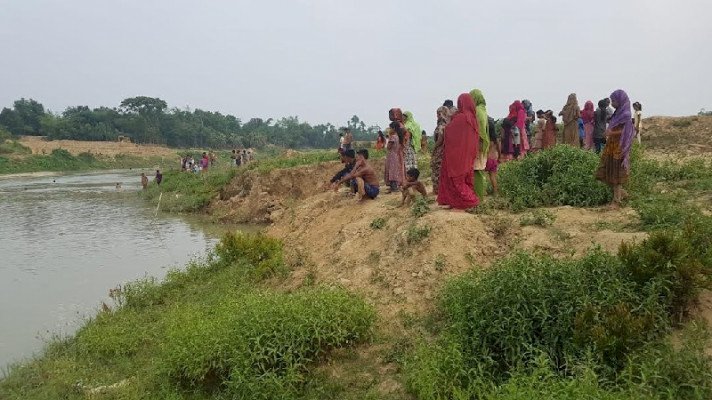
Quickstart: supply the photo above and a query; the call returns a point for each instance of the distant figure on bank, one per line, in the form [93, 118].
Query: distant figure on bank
[638, 119]
[424, 142]
[456, 184]
[204, 162]
[411, 186]
[159, 177]
[600, 121]
[363, 178]
[380, 141]
[348, 139]
[614, 166]
[213, 158]
[588, 121]
[550, 130]
[233, 158]
[581, 131]
[518, 116]
[570, 115]
[539, 127]
[492, 166]
[144, 181]
[118, 186]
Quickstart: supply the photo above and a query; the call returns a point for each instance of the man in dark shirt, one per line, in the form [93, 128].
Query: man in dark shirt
[348, 158]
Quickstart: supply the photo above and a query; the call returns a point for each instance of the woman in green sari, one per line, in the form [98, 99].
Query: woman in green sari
[481, 159]
[414, 129]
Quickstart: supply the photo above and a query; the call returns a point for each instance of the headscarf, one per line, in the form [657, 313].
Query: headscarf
[414, 129]
[571, 110]
[587, 112]
[516, 110]
[461, 144]
[622, 116]
[481, 114]
[395, 115]
[528, 107]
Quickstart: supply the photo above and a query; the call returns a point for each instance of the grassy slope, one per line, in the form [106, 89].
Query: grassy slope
[97, 355]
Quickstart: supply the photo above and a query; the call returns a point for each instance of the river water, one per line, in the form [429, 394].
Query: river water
[66, 240]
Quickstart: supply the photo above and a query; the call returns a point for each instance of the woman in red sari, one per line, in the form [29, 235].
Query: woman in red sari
[460, 147]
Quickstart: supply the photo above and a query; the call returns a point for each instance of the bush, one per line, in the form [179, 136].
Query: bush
[563, 175]
[258, 345]
[671, 265]
[378, 223]
[260, 255]
[420, 206]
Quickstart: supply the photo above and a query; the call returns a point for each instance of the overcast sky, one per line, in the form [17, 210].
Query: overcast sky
[325, 60]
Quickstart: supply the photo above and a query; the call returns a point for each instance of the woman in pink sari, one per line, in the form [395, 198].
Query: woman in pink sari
[587, 116]
[456, 189]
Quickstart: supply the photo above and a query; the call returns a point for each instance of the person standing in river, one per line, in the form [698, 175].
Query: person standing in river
[144, 181]
[159, 177]
[570, 115]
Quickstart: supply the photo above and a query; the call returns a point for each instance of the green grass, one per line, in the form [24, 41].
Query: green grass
[208, 331]
[537, 217]
[62, 160]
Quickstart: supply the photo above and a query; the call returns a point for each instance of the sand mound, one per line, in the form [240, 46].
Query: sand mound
[39, 145]
[688, 136]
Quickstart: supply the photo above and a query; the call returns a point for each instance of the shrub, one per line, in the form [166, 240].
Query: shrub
[261, 256]
[563, 175]
[671, 265]
[378, 223]
[416, 234]
[420, 206]
[260, 344]
[501, 319]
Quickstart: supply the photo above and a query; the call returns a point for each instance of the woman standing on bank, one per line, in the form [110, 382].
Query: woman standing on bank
[614, 167]
[460, 148]
[570, 115]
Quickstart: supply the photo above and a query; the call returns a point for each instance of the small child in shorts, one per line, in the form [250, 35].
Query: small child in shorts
[411, 186]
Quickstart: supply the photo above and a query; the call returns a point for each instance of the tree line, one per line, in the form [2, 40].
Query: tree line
[149, 120]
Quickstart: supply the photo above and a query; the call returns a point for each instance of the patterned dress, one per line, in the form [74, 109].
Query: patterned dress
[394, 162]
[444, 114]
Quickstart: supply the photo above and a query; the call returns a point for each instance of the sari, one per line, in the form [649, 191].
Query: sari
[570, 115]
[393, 173]
[587, 114]
[548, 139]
[414, 129]
[459, 151]
[484, 142]
[614, 166]
[516, 110]
[443, 115]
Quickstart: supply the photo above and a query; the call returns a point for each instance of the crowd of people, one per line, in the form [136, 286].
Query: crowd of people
[189, 164]
[469, 145]
[241, 157]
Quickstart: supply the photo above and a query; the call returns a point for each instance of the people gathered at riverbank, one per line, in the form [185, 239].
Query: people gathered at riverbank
[469, 145]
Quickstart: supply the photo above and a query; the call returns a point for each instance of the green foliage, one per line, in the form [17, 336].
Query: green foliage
[563, 175]
[416, 234]
[419, 207]
[672, 264]
[538, 217]
[378, 223]
[259, 345]
[261, 255]
[149, 120]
